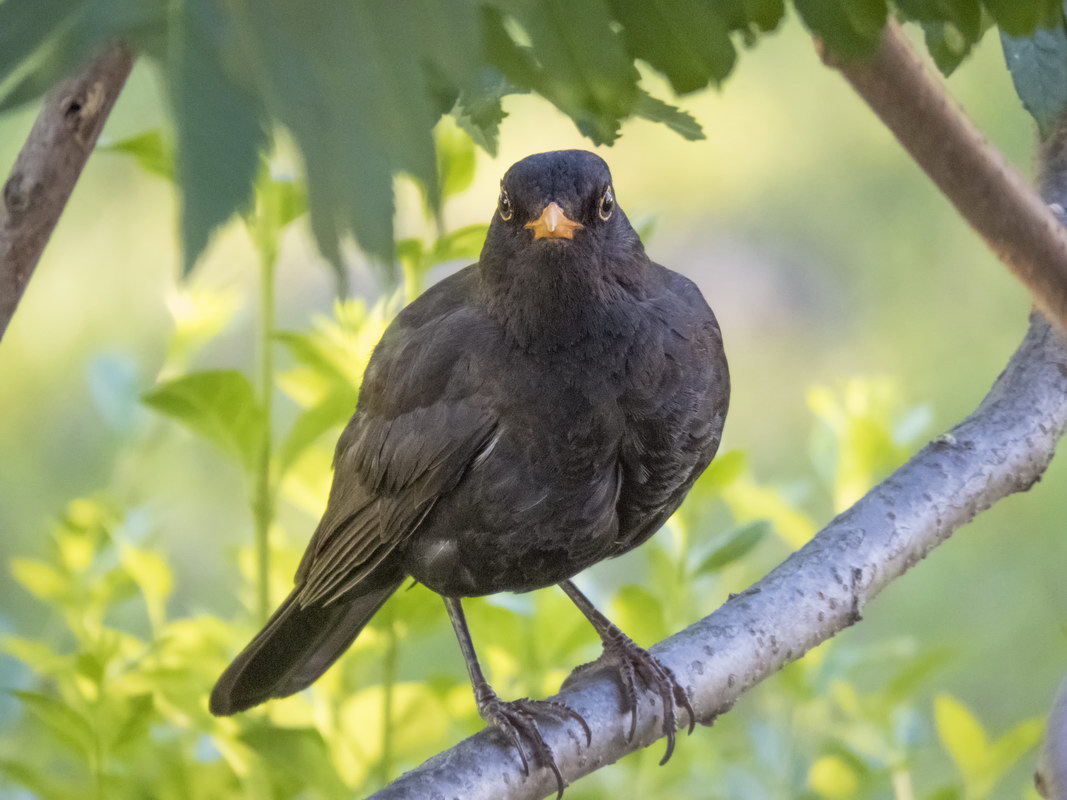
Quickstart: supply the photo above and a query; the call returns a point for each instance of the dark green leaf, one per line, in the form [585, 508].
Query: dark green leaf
[1016, 18]
[219, 124]
[25, 25]
[479, 112]
[765, 13]
[737, 546]
[1038, 66]
[149, 150]
[681, 122]
[581, 64]
[220, 406]
[850, 28]
[684, 39]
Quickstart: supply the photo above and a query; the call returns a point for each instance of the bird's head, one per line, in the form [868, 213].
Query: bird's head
[557, 213]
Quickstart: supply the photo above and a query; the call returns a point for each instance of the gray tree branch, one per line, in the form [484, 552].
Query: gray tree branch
[48, 166]
[987, 191]
[1002, 448]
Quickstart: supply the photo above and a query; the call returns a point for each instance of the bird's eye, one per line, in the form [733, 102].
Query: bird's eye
[607, 204]
[505, 206]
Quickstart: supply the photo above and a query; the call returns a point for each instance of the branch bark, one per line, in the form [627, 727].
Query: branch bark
[987, 191]
[1002, 448]
[48, 166]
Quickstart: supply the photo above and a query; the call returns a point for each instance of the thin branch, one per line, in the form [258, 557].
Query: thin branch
[987, 191]
[1002, 448]
[48, 167]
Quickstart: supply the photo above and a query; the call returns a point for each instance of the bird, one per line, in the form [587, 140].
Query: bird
[537, 412]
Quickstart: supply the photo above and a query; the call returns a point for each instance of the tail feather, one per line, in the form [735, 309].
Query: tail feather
[295, 647]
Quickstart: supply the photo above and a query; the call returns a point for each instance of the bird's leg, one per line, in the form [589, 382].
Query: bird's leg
[516, 718]
[634, 662]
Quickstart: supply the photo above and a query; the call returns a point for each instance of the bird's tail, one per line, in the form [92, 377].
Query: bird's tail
[295, 647]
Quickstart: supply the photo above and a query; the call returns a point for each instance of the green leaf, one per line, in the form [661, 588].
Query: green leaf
[25, 25]
[739, 544]
[1017, 18]
[479, 111]
[220, 406]
[1038, 66]
[581, 64]
[686, 40]
[677, 120]
[963, 736]
[850, 28]
[219, 123]
[455, 158]
[640, 613]
[332, 412]
[41, 579]
[140, 712]
[153, 577]
[765, 13]
[149, 150]
[66, 725]
[462, 243]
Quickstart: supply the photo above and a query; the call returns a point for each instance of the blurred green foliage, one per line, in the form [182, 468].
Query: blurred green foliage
[360, 86]
[111, 653]
[116, 686]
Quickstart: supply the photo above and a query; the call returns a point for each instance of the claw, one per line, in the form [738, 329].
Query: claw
[634, 662]
[516, 719]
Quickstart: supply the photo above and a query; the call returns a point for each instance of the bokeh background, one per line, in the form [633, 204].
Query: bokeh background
[861, 317]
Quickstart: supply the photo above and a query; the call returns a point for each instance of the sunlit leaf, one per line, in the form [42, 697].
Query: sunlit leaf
[963, 736]
[312, 423]
[64, 723]
[220, 406]
[148, 150]
[40, 578]
[153, 577]
[639, 613]
[739, 544]
[832, 777]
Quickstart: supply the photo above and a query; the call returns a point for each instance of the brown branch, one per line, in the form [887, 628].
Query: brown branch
[48, 166]
[987, 191]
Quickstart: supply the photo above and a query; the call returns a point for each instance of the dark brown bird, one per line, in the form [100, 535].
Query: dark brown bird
[533, 414]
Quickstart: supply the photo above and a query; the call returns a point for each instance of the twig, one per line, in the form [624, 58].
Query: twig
[49, 165]
[987, 191]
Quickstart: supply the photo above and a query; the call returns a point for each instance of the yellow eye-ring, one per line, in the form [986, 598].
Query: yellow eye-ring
[607, 204]
[505, 206]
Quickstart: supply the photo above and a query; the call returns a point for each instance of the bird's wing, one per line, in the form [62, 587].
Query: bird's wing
[421, 422]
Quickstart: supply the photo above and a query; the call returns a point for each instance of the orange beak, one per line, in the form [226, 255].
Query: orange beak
[553, 224]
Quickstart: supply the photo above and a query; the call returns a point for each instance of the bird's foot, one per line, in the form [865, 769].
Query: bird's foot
[517, 719]
[634, 662]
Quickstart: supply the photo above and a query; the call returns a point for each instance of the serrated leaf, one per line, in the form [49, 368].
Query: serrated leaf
[219, 124]
[686, 40]
[479, 111]
[220, 406]
[681, 122]
[1038, 66]
[581, 64]
[148, 149]
[740, 543]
